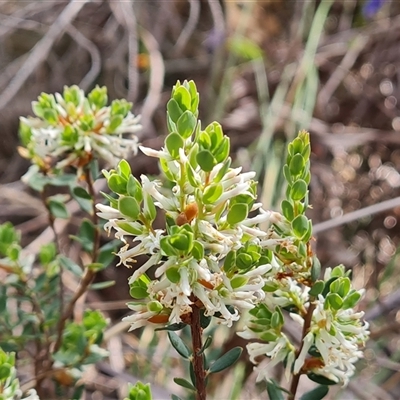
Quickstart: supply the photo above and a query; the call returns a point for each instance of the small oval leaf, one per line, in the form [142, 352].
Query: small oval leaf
[179, 345]
[226, 360]
[184, 383]
[316, 394]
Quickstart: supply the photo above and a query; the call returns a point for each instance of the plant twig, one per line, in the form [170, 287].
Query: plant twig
[89, 274]
[95, 218]
[296, 378]
[198, 361]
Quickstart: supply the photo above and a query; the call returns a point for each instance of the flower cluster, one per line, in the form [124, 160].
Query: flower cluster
[71, 129]
[212, 253]
[208, 252]
[9, 383]
[333, 332]
[333, 338]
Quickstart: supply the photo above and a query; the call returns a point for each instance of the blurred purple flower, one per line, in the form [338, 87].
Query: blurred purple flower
[371, 7]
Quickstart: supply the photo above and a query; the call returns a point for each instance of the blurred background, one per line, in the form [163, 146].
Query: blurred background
[264, 69]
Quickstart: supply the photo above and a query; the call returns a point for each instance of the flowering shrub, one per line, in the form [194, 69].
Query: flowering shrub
[212, 256]
[209, 260]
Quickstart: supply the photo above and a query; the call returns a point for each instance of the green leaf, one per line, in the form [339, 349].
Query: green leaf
[212, 193]
[149, 209]
[316, 394]
[124, 169]
[173, 274]
[175, 397]
[184, 383]
[25, 133]
[327, 286]
[166, 247]
[70, 265]
[96, 266]
[134, 188]
[138, 289]
[296, 165]
[204, 320]
[98, 97]
[182, 242]
[320, 379]
[117, 184]
[83, 198]
[206, 160]
[244, 261]
[173, 143]
[315, 269]
[222, 152]
[115, 122]
[80, 192]
[317, 288]
[300, 226]
[186, 124]
[287, 210]
[172, 327]
[245, 48]
[129, 206]
[275, 392]
[205, 346]
[174, 111]
[101, 285]
[222, 172]
[50, 116]
[129, 227]
[351, 300]
[198, 250]
[166, 169]
[179, 345]
[298, 190]
[58, 209]
[192, 177]
[5, 371]
[238, 281]
[47, 253]
[226, 360]
[182, 96]
[334, 300]
[194, 96]
[345, 286]
[237, 213]
[107, 253]
[86, 235]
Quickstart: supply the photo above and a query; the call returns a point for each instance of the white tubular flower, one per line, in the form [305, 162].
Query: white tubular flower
[153, 260]
[140, 318]
[163, 202]
[241, 188]
[107, 212]
[155, 153]
[277, 350]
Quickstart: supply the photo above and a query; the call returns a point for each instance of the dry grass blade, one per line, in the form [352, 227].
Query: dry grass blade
[124, 14]
[156, 80]
[189, 27]
[94, 52]
[358, 214]
[41, 50]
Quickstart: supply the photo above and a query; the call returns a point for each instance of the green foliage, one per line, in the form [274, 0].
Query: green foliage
[139, 391]
[179, 345]
[316, 394]
[227, 360]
